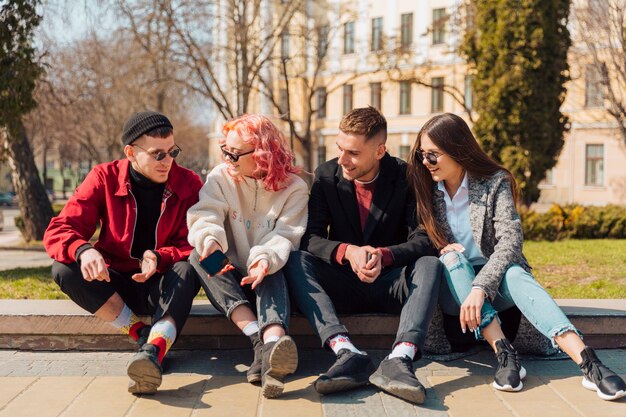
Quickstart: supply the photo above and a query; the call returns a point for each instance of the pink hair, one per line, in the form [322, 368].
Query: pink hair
[272, 155]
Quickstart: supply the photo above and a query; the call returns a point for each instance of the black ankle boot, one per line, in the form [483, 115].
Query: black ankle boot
[254, 373]
[145, 371]
[510, 372]
[350, 370]
[142, 335]
[397, 377]
[279, 360]
[599, 378]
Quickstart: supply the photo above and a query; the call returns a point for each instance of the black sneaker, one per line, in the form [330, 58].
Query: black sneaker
[510, 372]
[144, 370]
[280, 359]
[599, 378]
[254, 373]
[396, 377]
[143, 334]
[350, 370]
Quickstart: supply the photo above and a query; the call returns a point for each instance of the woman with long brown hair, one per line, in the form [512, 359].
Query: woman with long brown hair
[466, 202]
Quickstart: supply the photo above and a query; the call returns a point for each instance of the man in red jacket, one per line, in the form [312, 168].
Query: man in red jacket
[138, 265]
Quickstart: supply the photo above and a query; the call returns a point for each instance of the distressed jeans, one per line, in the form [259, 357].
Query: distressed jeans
[517, 287]
[225, 293]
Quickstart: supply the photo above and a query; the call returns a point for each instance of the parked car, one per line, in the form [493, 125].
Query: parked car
[6, 199]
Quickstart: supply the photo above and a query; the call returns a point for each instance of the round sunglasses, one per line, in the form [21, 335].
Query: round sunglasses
[159, 156]
[234, 157]
[431, 157]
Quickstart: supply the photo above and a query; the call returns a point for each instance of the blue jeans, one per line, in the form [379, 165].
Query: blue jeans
[517, 287]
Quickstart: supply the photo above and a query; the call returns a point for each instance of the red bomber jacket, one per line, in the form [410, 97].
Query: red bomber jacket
[105, 198]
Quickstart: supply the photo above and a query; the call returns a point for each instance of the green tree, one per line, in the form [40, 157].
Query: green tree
[518, 52]
[19, 71]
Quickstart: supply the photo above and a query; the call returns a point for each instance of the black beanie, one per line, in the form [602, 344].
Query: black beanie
[141, 123]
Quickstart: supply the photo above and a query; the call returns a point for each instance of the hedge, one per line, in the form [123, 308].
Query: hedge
[575, 221]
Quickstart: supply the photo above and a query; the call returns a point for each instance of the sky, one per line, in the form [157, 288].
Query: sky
[65, 21]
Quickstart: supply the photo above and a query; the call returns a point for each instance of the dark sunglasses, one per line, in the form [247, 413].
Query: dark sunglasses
[234, 157]
[159, 156]
[431, 157]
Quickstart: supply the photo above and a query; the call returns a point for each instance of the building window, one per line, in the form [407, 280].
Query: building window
[377, 34]
[347, 98]
[348, 38]
[283, 102]
[322, 41]
[594, 165]
[284, 45]
[404, 152]
[405, 97]
[468, 95]
[439, 26]
[321, 154]
[406, 30]
[436, 101]
[376, 96]
[594, 90]
[321, 102]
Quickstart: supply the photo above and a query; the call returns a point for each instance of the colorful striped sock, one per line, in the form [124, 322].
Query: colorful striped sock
[163, 334]
[127, 322]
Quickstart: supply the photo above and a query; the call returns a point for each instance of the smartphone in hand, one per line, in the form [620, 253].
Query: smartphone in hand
[214, 263]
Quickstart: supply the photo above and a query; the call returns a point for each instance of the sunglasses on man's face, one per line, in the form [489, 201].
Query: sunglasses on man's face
[159, 156]
[234, 157]
[431, 157]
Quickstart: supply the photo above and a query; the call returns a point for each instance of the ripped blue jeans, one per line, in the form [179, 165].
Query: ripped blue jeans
[517, 287]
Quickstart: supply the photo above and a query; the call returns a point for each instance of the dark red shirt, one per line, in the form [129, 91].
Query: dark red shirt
[364, 195]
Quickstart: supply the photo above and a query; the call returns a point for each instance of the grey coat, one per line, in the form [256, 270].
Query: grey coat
[496, 228]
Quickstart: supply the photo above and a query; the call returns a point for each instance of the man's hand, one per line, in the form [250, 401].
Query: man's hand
[366, 269]
[210, 248]
[471, 308]
[256, 273]
[148, 267]
[93, 267]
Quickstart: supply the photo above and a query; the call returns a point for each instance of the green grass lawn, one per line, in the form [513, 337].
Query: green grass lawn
[568, 269]
[580, 268]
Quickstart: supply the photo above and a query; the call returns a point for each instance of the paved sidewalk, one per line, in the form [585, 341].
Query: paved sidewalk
[23, 258]
[212, 383]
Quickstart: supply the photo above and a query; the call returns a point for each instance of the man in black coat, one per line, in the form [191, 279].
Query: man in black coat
[363, 253]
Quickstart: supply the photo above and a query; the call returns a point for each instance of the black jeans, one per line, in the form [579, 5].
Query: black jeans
[225, 293]
[321, 290]
[170, 293]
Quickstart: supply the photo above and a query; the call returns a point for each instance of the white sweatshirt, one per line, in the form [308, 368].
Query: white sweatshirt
[249, 222]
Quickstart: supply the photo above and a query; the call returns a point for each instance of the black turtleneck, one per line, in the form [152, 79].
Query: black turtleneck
[148, 196]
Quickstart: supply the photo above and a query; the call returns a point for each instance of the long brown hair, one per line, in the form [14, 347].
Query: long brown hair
[453, 136]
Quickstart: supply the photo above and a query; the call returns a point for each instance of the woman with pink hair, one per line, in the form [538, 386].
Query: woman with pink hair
[253, 208]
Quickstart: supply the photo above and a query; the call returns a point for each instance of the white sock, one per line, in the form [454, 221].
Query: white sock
[342, 341]
[251, 328]
[270, 339]
[123, 319]
[403, 349]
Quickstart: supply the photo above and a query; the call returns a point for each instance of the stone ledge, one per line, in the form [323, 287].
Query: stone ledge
[61, 325]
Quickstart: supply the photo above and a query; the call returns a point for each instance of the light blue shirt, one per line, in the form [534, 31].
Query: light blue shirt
[458, 216]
